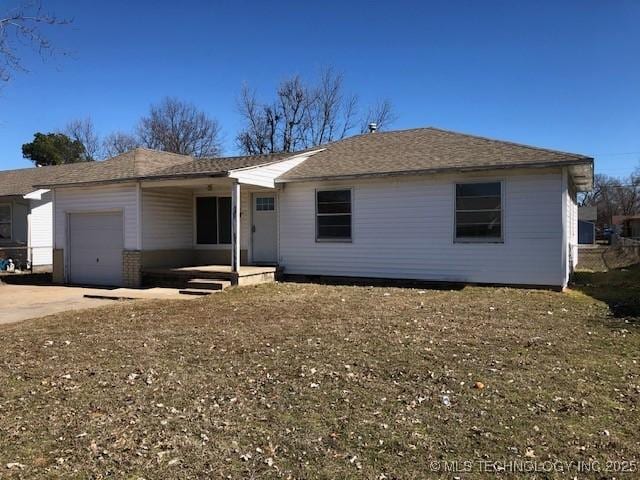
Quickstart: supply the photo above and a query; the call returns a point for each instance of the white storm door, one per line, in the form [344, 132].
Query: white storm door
[264, 230]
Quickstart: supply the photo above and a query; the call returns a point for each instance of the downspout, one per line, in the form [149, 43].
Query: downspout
[29, 244]
[565, 238]
[235, 227]
[139, 214]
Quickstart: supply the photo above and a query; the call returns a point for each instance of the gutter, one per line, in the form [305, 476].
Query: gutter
[587, 161]
[134, 179]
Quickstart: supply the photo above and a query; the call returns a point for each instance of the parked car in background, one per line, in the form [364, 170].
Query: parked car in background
[604, 235]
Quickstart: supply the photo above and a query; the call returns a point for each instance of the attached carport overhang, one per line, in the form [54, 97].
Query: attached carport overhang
[184, 180]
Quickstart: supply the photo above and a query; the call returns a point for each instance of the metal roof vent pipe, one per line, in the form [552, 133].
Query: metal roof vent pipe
[373, 127]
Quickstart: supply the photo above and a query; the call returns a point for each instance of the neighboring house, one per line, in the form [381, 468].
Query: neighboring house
[631, 226]
[422, 204]
[26, 217]
[622, 223]
[587, 217]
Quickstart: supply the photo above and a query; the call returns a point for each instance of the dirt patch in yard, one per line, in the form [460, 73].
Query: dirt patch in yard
[611, 275]
[603, 259]
[317, 381]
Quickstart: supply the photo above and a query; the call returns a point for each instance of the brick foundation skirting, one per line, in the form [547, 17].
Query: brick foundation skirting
[132, 268]
[58, 265]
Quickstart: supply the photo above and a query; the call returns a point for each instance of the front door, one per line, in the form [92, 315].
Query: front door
[264, 229]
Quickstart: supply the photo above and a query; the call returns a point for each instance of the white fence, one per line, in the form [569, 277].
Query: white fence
[625, 241]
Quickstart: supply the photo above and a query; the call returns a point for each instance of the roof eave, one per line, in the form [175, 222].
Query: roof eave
[134, 179]
[431, 171]
[175, 176]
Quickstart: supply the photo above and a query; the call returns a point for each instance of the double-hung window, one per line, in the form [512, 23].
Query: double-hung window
[333, 215]
[479, 212]
[213, 220]
[5, 221]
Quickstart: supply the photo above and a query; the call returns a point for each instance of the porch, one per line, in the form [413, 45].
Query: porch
[207, 277]
[207, 234]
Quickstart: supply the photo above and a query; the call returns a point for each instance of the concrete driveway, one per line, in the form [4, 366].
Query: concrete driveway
[24, 301]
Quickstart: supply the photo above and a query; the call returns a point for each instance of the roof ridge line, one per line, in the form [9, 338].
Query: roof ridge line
[508, 142]
[455, 132]
[164, 152]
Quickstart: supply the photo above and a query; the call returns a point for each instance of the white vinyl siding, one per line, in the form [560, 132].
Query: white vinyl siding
[108, 198]
[403, 227]
[167, 215]
[40, 230]
[572, 225]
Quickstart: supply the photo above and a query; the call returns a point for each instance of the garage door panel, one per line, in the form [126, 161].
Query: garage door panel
[102, 239]
[96, 244]
[99, 257]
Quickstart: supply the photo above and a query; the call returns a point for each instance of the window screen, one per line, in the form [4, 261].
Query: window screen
[5, 222]
[265, 204]
[213, 220]
[224, 220]
[333, 215]
[207, 220]
[479, 211]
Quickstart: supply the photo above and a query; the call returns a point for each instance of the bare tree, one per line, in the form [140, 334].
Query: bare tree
[331, 112]
[179, 127]
[381, 114]
[84, 132]
[117, 143]
[627, 195]
[613, 196]
[302, 115]
[21, 26]
[589, 199]
[259, 135]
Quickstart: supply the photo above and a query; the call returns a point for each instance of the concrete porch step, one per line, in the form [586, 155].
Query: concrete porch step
[181, 277]
[208, 284]
[196, 291]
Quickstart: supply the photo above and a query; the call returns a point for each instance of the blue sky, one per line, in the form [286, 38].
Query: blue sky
[563, 75]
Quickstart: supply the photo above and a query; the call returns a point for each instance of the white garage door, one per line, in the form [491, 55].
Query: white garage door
[95, 244]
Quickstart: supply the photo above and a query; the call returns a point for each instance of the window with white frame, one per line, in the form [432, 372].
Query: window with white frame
[333, 215]
[265, 204]
[213, 220]
[5, 221]
[479, 212]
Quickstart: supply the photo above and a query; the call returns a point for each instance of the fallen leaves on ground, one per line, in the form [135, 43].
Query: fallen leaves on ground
[315, 381]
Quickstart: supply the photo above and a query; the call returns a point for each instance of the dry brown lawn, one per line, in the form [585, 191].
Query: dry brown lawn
[316, 381]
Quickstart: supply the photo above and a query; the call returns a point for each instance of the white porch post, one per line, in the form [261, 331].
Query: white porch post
[235, 227]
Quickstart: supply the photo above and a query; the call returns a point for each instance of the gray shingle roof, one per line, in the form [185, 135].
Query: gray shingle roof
[22, 181]
[422, 150]
[136, 163]
[218, 165]
[397, 152]
[142, 163]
